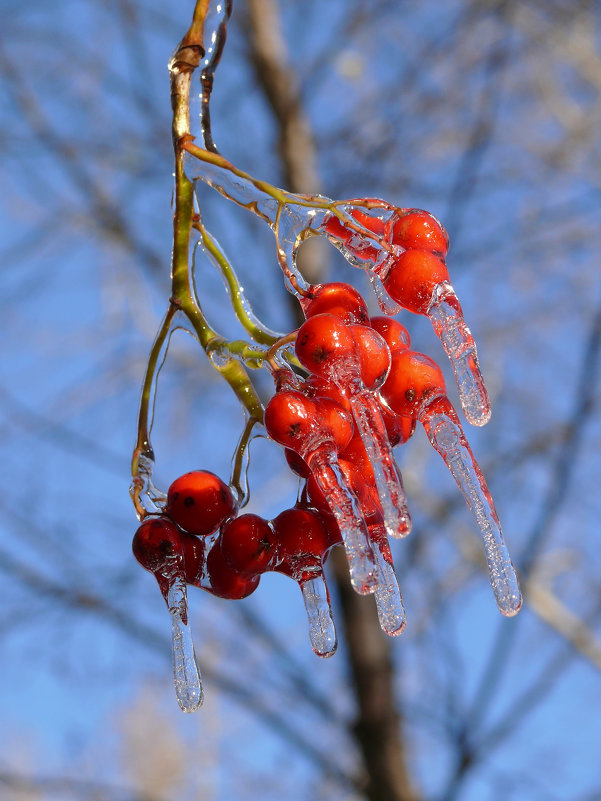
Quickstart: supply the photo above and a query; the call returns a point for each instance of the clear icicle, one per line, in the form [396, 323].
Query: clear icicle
[319, 613]
[447, 319]
[385, 302]
[389, 602]
[447, 437]
[186, 676]
[386, 473]
[346, 509]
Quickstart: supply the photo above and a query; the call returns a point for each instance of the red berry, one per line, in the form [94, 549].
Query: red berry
[374, 356]
[399, 428]
[337, 419]
[412, 278]
[291, 419]
[296, 463]
[226, 582]
[326, 347]
[200, 502]
[414, 379]
[248, 544]
[339, 299]
[394, 334]
[157, 544]
[302, 542]
[420, 229]
[316, 387]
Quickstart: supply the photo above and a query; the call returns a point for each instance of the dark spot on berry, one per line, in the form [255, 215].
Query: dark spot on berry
[410, 395]
[304, 339]
[320, 354]
[175, 496]
[223, 496]
[188, 501]
[166, 548]
[294, 430]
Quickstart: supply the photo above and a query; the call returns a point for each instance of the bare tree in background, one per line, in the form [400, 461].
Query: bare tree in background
[486, 114]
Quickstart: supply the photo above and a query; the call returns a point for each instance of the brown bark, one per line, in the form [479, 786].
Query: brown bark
[378, 727]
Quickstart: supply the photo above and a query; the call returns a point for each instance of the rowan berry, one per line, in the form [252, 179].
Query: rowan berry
[374, 356]
[413, 277]
[416, 228]
[199, 502]
[414, 379]
[339, 299]
[399, 428]
[248, 544]
[303, 541]
[296, 463]
[326, 347]
[157, 544]
[394, 334]
[291, 420]
[224, 581]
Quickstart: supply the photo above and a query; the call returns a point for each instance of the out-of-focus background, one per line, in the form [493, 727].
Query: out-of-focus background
[488, 115]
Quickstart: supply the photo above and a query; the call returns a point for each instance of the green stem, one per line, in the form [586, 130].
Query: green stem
[247, 319]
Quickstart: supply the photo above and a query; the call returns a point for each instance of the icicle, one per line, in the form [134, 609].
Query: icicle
[446, 317]
[447, 437]
[389, 602]
[319, 613]
[186, 676]
[347, 511]
[385, 302]
[386, 473]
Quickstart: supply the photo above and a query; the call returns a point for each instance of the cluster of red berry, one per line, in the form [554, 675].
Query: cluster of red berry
[352, 391]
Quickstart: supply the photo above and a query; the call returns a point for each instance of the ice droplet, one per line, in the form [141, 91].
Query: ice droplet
[446, 435]
[346, 509]
[386, 472]
[389, 603]
[319, 613]
[447, 319]
[186, 676]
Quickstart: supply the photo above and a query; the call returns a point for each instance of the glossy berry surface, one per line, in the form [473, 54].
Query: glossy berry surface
[157, 543]
[248, 544]
[420, 229]
[199, 502]
[326, 347]
[392, 332]
[224, 581]
[414, 380]
[303, 541]
[412, 278]
[374, 356]
[341, 300]
[291, 419]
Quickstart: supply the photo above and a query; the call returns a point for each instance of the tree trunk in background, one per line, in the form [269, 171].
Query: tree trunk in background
[378, 728]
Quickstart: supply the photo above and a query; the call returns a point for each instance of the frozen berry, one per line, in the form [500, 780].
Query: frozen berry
[248, 544]
[414, 380]
[200, 502]
[374, 356]
[420, 229]
[302, 541]
[224, 581]
[413, 277]
[394, 334]
[339, 299]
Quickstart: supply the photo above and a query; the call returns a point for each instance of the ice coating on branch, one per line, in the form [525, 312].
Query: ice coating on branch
[446, 435]
[291, 219]
[347, 511]
[389, 484]
[186, 676]
[447, 319]
[389, 603]
[319, 613]
[151, 499]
